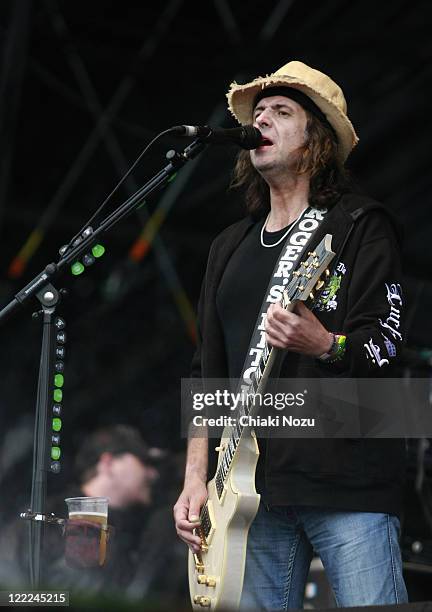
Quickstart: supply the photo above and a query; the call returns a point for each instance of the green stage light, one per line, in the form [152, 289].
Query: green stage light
[98, 250]
[58, 395]
[59, 380]
[77, 268]
[56, 424]
[55, 453]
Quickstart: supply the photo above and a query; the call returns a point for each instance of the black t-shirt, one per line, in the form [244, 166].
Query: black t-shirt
[242, 291]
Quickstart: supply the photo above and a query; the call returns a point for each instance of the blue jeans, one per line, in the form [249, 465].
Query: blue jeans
[359, 550]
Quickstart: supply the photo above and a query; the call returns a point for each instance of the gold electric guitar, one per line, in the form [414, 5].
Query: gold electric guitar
[216, 572]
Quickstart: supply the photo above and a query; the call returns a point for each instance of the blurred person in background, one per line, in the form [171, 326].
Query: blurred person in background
[112, 462]
[116, 463]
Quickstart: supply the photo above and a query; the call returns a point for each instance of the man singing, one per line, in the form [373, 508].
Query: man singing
[338, 497]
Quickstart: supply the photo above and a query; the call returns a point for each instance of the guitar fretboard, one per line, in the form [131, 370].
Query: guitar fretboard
[246, 409]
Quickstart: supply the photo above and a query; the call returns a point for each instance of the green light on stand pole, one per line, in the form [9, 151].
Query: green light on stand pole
[77, 268]
[55, 453]
[59, 380]
[58, 395]
[56, 424]
[98, 250]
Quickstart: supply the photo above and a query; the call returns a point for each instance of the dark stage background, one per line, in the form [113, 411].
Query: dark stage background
[84, 87]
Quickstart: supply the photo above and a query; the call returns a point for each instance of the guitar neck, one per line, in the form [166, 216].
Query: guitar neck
[248, 407]
[266, 363]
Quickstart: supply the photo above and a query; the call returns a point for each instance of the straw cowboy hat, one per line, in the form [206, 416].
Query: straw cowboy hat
[320, 88]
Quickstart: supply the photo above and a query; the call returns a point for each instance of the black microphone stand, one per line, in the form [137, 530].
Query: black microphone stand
[48, 296]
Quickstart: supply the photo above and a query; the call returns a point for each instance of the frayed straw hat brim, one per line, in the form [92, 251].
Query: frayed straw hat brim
[241, 99]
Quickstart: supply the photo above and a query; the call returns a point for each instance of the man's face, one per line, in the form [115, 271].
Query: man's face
[131, 479]
[282, 123]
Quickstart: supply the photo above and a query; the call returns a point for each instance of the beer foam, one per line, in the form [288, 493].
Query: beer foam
[87, 513]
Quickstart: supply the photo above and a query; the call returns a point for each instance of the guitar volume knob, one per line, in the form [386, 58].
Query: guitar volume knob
[202, 601]
[205, 602]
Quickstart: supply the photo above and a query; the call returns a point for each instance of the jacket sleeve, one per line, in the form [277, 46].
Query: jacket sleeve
[210, 342]
[374, 320]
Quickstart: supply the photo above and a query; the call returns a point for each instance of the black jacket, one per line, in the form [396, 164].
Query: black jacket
[349, 474]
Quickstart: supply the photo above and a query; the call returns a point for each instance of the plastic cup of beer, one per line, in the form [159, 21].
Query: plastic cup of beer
[93, 510]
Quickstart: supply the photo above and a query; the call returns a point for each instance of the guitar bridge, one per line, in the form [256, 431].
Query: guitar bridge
[202, 536]
[199, 565]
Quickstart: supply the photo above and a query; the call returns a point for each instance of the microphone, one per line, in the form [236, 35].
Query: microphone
[246, 137]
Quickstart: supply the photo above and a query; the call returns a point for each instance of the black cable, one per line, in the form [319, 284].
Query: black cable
[109, 196]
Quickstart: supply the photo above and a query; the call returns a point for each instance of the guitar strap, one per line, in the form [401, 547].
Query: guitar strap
[297, 242]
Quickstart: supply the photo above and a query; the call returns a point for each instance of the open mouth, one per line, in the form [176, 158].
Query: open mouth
[266, 142]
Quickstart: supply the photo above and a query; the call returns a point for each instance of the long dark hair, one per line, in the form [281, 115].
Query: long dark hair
[328, 177]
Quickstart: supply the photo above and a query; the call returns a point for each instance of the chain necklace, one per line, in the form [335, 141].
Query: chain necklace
[269, 246]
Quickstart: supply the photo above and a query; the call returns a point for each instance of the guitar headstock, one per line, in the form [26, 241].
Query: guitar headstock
[309, 274]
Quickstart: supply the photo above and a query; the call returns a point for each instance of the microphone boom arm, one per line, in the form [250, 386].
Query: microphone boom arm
[53, 270]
